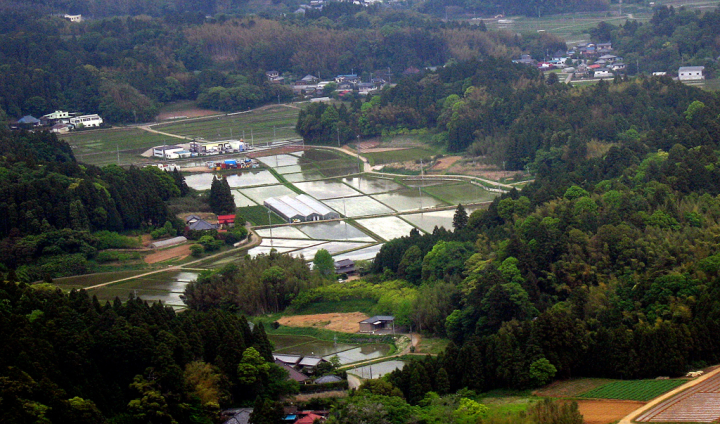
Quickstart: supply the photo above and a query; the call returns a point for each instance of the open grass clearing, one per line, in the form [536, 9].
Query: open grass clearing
[404, 155]
[640, 390]
[431, 345]
[267, 124]
[258, 215]
[100, 147]
[460, 192]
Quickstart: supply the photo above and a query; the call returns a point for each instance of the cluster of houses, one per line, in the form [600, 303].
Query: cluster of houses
[58, 122]
[590, 60]
[291, 415]
[312, 86]
[195, 223]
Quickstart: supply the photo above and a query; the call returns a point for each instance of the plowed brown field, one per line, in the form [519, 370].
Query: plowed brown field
[606, 411]
[343, 322]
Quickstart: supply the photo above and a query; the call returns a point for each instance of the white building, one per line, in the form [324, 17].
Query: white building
[691, 73]
[73, 18]
[603, 74]
[86, 121]
[57, 115]
[170, 152]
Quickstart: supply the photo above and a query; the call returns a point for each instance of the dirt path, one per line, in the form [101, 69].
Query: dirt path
[629, 418]
[148, 129]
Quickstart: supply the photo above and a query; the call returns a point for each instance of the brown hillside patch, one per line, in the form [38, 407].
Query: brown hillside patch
[606, 411]
[163, 255]
[343, 322]
[445, 163]
[571, 388]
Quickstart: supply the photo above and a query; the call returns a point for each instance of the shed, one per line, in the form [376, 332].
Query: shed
[310, 419]
[169, 242]
[287, 212]
[309, 363]
[237, 415]
[317, 206]
[377, 323]
[201, 225]
[29, 120]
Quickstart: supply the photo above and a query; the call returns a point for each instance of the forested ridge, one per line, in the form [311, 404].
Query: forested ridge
[65, 358]
[57, 213]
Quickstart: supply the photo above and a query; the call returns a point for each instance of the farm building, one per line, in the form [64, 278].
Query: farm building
[308, 364]
[228, 220]
[377, 323]
[691, 73]
[287, 359]
[167, 243]
[300, 208]
[170, 152]
[293, 374]
[86, 121]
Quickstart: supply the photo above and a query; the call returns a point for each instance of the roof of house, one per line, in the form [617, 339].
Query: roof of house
[239, 415]
[411, 70]
[171, 147]
[344, 262]
[201, 225]
[326, 379]
[309, 77]
[292, 372]
[226, 218]
[287, 358]
[28, 119]
[310, 361]
[191, 218]
[309, 419]
[686, 69]
[377, 318]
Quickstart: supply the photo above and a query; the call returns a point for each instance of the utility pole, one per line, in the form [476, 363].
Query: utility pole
[117, 147]
[338, 134]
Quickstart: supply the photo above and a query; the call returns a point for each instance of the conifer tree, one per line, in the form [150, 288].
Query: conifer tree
[460, 219]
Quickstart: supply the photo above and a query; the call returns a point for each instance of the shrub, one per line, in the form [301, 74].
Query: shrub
[196, 250]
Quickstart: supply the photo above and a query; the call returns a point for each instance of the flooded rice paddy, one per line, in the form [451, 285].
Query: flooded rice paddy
[408, 200]
[282, 232]
[347, 353]
[388, 227]
[371, 185]
[83, 281]
[242, 201]
[377, 370]
[365, 254]
[335, 230]
[250, 178]
[326, 189]
[353, 207]
[259, 194]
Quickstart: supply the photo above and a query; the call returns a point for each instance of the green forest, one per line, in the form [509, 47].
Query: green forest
[606, 264]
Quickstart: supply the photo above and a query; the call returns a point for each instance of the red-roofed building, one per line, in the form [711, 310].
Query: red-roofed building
[226, 219]
[309, 419]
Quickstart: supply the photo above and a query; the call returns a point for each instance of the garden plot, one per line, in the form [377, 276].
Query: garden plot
[276, 161]
[371, 185]
[259, 194]
[460, 192]
[336, 230]
[304, 176]
[365, 254]
[408, 200]
[642, 390]
[251, 178]
[242, 201]
[282, 232]
[326, 189]
[389, 227]
[698, 404]
[199, 181]
[358, 206]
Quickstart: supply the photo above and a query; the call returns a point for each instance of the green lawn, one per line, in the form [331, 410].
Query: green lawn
[461, 192]
[413, 153]
[259, 122]
[642, 390]
[258, 215]
[100, 147]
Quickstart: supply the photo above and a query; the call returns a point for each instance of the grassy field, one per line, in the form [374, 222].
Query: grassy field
[642, 390]
[99, 147]
[432, 345]
[460, 193]
[258, 215]
[258, 122]
[414, 153]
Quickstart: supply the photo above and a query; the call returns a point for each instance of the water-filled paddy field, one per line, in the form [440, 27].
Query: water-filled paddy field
[347, 353]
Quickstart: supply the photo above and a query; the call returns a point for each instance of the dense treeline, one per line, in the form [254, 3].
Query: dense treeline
[51, 205]
[67, 358]
[259, 285]
[512, 7]
[671, 39]
[606, 265]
